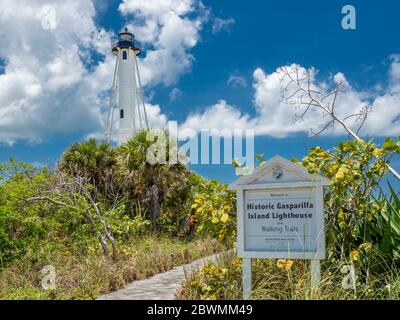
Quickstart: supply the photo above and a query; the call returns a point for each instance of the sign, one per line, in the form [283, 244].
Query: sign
[280, 213]
[281, 223]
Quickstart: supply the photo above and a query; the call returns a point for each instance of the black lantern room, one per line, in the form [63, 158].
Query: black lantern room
[125, 40]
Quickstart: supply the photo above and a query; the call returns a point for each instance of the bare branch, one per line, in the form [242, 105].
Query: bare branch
[44, 198]
[326, 102]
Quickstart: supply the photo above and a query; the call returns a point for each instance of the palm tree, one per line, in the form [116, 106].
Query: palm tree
[91, 159]
[149, 183]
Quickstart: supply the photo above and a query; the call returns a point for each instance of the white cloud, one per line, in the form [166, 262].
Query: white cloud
[274, 117]
[157, 120]
[50, 85]
[170, 28]
[394, 73]
[46, 88]
[219, 116]
[236, 81]
[222, 24]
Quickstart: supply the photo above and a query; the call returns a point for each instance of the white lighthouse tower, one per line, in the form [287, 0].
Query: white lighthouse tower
[127, 94]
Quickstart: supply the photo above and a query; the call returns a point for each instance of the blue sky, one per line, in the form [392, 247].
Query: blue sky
[226, 42]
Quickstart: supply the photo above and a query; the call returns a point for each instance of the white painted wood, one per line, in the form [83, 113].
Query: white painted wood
[315, 268]
[240, 231]
[313, 183]
[246, 277]
[286, 165]
[319, 196]
[280, 215]
[283, 185]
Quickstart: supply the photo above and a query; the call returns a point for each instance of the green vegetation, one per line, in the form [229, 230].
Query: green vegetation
[86, 274]
[105, 217]
[286, 279]
[102, 218]
[362, 228]
[214, 210]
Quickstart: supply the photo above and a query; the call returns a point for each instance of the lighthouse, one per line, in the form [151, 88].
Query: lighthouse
[126, 94]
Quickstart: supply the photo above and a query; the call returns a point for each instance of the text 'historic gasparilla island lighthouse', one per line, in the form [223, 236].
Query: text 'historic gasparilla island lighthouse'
[127, 94]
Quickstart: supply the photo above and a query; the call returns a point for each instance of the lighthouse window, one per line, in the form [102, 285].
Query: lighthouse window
[121, 113]
[124, 55]
[126, 37]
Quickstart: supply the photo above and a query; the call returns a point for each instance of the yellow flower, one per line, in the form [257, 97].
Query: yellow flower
[365, 246]
[354, 255]
[284, 264]
[224, 218]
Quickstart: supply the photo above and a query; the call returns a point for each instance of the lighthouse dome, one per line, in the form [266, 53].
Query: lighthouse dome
[125, 40]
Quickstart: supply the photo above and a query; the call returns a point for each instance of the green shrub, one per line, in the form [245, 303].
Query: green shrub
[214, 211]
[355, 170]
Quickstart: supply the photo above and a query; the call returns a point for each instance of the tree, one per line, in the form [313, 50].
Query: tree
[299, 91]
[77, 194]
[149, 184]
[91, 159]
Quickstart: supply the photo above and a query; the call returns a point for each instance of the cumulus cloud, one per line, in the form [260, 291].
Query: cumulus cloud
[157, 120]
[46, 88]
[274, 117]
[52, 81]
[170, 29]
[219, 116]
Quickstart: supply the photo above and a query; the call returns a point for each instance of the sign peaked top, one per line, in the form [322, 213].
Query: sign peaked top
[279, 171]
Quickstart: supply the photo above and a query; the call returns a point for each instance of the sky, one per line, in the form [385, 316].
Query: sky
[205, 64]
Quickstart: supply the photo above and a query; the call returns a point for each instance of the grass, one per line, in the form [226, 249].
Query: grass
[222, 281]
[88, 275]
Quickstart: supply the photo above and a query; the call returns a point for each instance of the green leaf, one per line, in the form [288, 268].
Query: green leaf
[389, 145]
[215, 220]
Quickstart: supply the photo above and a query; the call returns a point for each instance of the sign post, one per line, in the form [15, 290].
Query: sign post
[280, 215]
[246, 275]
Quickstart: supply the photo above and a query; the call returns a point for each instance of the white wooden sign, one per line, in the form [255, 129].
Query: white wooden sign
[280, 214]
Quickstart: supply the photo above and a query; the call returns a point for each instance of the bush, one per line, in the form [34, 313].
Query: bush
[355, 170]
[214, 211]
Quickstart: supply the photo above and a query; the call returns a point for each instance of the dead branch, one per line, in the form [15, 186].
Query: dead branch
[296, 88]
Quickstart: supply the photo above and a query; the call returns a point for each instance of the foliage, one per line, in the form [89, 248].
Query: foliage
[124, 226]
[110, 199]
[19, 229]
[96, 193]
[272, 279]
[90, 158]
[362, 223]
[355, 170]
[384, 230]
[82, 274]
[214, 211]
[149, 185]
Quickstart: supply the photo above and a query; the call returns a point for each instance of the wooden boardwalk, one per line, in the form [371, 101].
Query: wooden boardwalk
[162, 286]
